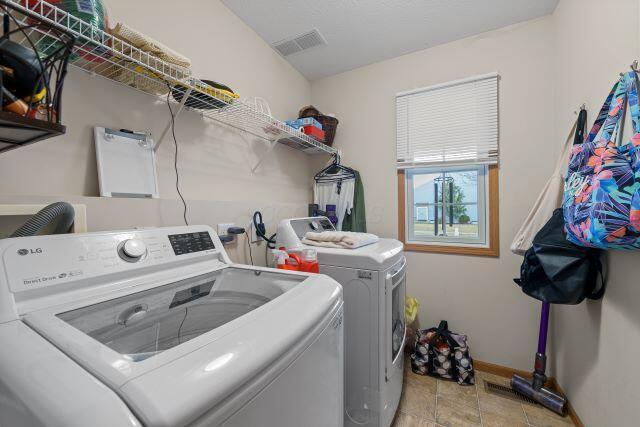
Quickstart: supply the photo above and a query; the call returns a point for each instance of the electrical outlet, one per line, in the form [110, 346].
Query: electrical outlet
[222, 228]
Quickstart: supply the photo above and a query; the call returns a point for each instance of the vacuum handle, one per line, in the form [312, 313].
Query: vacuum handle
[544, 327]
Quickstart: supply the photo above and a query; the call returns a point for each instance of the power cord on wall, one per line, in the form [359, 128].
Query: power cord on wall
[175, 158]
[261, 232]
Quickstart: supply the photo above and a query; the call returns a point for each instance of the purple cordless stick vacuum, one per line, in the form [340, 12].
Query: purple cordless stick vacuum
[535, 388]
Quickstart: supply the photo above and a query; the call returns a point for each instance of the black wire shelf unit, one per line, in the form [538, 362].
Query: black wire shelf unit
[34, 55]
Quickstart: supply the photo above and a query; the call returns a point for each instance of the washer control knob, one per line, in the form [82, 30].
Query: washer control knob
[134, 249]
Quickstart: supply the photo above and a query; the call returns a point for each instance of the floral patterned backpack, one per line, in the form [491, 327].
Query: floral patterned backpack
[601, 203]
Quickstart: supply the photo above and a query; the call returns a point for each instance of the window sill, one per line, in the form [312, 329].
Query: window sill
[453, 249]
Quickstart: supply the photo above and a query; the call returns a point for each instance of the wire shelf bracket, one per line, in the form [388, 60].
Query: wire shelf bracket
[272, 145]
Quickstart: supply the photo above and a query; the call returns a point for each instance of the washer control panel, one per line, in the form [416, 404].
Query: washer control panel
[43, 261]
[191, 242]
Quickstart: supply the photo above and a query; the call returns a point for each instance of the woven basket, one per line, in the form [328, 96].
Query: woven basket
[329, 123]
[147, 44]
[137, 77]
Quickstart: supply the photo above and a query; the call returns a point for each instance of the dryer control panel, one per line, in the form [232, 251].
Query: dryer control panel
[292, 231]
[302, 226]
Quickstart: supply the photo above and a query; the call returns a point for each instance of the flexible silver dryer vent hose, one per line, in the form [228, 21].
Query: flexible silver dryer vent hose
[47, 215]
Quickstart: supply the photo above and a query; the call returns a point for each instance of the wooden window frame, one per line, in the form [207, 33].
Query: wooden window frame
[493, 250]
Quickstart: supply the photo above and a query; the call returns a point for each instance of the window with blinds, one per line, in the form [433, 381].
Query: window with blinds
[454, 123]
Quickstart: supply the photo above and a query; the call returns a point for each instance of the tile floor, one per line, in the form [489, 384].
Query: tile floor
[427, 402]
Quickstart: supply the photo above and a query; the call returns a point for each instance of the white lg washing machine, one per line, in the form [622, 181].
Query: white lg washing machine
[373, 281]
[158, 328]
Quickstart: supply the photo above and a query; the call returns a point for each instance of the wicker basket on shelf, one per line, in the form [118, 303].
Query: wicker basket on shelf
[139, 76]
[329, 123]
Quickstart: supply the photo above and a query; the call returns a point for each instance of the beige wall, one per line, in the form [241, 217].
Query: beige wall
[476, 295]
[597, 343]
[215, 162]
[548, 68]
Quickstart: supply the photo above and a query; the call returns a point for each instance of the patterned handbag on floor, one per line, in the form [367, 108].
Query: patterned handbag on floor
[601, 203]
[441, 353]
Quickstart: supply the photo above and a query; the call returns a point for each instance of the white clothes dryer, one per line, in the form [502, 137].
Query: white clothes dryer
[158, 328]
[373, 281]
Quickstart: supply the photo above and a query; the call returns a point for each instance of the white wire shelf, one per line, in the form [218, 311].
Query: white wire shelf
[105, 55]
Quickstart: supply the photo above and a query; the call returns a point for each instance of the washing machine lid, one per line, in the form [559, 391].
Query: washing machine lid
[146, 323]
[182, 348]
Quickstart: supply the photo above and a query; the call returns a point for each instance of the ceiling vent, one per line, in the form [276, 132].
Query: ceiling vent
[299, 43]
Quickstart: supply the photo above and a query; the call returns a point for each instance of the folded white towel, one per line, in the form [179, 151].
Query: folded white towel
[321, 244]
[339, 239]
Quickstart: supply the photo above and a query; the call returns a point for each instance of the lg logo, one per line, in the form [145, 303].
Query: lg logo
[24, 252]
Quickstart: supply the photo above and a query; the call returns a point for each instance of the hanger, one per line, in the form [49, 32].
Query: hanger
[634, 68]
[335, 172]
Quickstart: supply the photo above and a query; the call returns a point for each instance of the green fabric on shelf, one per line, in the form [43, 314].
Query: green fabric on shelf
[356, 221]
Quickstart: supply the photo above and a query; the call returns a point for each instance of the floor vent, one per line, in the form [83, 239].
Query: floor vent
[507, 392]
[299, 43]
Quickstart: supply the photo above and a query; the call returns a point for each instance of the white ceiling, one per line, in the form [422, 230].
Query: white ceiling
[361, 32]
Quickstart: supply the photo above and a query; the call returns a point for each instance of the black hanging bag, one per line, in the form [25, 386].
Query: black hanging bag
[438, 352]
[556, 271]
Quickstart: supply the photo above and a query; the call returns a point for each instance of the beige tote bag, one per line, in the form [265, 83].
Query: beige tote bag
[549, 200]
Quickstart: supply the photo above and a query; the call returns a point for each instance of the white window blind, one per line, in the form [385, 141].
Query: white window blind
[450, 124]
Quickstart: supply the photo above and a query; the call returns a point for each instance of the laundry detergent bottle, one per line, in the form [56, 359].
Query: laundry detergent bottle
[287, 261]
[307, 261]
[309, 258]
